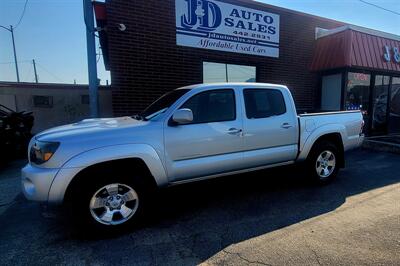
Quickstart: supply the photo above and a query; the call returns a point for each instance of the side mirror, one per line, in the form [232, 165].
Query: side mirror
[183, 116]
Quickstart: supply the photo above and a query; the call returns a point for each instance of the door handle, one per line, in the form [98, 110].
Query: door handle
[286, 125]
[234, 131]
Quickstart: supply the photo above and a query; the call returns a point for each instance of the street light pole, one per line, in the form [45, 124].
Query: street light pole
[15, 53]
[91, 57]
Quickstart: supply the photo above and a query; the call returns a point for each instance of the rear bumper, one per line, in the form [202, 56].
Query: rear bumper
[36, 182]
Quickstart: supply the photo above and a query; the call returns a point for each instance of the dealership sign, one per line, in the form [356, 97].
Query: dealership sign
[388, 55]
[216, 25]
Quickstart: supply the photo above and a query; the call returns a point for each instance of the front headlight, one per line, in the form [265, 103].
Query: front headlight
[42, 151]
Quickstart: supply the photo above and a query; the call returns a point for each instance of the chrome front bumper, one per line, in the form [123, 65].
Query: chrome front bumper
[36, 182]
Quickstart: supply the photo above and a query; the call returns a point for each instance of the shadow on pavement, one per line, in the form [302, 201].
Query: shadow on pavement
[190, 223]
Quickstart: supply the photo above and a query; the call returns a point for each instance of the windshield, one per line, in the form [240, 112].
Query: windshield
[162, 104]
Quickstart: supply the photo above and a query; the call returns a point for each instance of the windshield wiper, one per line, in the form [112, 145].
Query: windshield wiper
[139, 117]
[155, 114]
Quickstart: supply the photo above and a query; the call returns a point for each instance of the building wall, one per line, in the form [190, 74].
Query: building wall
[145, 61]
[67, 104]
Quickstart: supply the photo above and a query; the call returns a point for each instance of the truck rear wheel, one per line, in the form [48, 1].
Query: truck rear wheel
[322, 162]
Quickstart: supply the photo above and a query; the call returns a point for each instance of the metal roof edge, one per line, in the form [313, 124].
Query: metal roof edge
[320, 32]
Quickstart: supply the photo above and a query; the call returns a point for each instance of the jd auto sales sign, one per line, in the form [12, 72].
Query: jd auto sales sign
[216, 25]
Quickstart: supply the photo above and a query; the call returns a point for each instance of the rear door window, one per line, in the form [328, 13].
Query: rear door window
[262, 103]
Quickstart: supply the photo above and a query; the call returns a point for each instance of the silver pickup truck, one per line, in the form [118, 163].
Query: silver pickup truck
[104, 169]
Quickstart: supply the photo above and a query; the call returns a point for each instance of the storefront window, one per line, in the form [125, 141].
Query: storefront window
[331, 92]
[394, 105]
[357, 93]
[216, 72]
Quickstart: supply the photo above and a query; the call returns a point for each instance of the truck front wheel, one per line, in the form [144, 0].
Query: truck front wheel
[114, 204]
[322, 162]
[106, 202]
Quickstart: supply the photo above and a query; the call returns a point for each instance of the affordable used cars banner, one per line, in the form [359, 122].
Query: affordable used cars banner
[216, 25]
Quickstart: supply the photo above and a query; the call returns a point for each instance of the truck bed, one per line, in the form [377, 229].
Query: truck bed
[346, 123]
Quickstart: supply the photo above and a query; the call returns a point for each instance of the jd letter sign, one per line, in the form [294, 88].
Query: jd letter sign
[211, 24]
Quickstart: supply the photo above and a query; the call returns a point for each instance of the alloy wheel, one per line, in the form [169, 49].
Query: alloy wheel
[114, 204]
[325, 164]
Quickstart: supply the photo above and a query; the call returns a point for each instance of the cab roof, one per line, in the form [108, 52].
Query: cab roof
[233, 85]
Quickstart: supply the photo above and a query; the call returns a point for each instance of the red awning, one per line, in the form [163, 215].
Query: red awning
[100, 10]
[351, 47]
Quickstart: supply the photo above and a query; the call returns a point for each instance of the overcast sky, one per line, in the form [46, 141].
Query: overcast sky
[52, 32]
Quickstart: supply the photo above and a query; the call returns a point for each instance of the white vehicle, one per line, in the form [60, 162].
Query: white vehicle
[102, 169]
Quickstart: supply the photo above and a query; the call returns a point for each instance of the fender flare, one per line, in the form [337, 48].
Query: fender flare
[85, 159]
[316, 134]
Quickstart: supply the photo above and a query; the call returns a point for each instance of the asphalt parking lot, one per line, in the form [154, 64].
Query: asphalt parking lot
[270, 217]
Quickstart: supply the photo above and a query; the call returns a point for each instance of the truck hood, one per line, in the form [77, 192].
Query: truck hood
[88, 126]
[90, 134]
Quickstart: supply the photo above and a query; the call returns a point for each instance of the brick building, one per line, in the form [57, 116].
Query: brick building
[152, 47]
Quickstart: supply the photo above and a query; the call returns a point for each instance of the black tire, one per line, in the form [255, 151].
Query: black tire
[79, 201]
[322, 174]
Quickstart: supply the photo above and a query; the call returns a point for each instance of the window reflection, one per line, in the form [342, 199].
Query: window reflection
[380, 99]
[394, 104]
[216, 72]
[237, 73]
[395, 97]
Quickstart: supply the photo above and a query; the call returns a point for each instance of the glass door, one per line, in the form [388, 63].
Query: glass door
[380, 94]
[394, 106]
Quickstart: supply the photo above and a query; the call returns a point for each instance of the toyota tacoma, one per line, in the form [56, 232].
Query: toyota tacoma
[104, 169]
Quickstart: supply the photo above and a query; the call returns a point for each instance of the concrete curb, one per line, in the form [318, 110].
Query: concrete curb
[377, 145]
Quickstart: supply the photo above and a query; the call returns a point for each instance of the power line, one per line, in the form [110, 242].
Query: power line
[29, 74]
[48, 72]
[6, 63]
[388, 10]
[12, 62]
[22, 15]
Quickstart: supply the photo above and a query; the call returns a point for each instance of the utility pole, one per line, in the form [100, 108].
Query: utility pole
[15, 53]
[226, 72]
[34, 70]
[91, 57]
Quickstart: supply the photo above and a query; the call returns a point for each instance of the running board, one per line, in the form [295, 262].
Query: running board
[179, 182]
